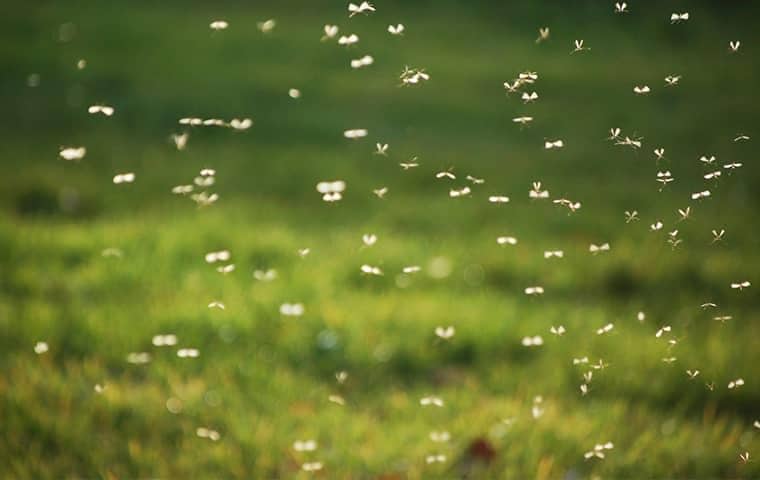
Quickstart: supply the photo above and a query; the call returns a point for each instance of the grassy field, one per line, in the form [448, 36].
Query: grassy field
[264, 380]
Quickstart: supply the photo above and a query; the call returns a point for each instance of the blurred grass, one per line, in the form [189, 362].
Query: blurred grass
[262, 379]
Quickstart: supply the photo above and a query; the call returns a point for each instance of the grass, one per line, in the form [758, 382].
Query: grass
[263, 380]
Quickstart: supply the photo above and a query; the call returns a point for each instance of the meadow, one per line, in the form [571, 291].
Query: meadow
[95, 269]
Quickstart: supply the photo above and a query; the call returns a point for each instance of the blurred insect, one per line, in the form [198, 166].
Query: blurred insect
[241, 124]
[595, 249]
[674, 241]
[40, 348]
[718, 235]
[203, 432]
[445, 333]
[304, 445]
[659, 153]
[584, 389]
[598, 451]
[669, 359]
[734, 46]
[311, 466]
[292, 309]
[732, 166]
[364, 7]
[641, 89]
[558, 331]
[712, 175]
[164, 340]
[302, 252]
[536, 411]
[225, 269]
[684, 213]
[736, 383]
[614, 133]
[543, 34]
[744, 457]
[412, 163]
[641, 316]
[103, 109]
[461, 192]
[741, 285]
[369, 239]
[72, 153]
[440, 437]
[580, 361]
[631, 216]
[634, 143]
[265, 275]
[692, 374]
[217, 25]
[216, 304]
[364, 61]
[188, 353]
[722, 318]
[396, 29]
[707, 305]
[535, 341]
[446, 174]
[664, 329]
[370, 270]
[702, 194]
[506, 240]
[331, 191]
[534, 290]
[380, 192]
[572, 206]
[412, 76]
[431, 401]
[554, 253]
[138, 358]
[579, 46]
[522, 120]
[741, 138]
[549, 144]
[266, 26]
[710, 386]
[756, 424]
[337, 399]
[707, 160]
[348, 40]
[180, 140]
[294, 93]
[536, 191]
[220, 256]
[498, 199]
[621, 7]
[679, 17]
[411, 269]
[529, 97]
[672, 80]
[330, 32]
[605, 329]
[124, 178]
[112, 252]
[381, 149]
[512, 87]
[475, 180]
[436, 458]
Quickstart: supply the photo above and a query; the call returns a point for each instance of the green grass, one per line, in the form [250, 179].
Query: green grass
[263, 380]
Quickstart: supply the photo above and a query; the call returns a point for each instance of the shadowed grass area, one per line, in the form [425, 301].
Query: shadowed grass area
[263, 380]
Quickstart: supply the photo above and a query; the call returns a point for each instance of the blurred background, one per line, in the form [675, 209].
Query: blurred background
[264, 380]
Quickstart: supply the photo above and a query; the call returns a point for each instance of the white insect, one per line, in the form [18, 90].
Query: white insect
[605, 329]
[412, 76]
[225, 269]
[554, 253]
[412, 163]
[241, 124]
[304, 445]
[292, 309]
[537, 193]
[598, 450]
[371, 270]
[40, 348]
[330, 32]
[380, 192]
[522, 120]
[331, 191]
[712, 175]
[535, 341]
[461, 192]
[431, 401]
[543, 34]
[732, 166]
[180, 140]
[443, 436]
[549, 144]
[656, 226]
[744, 457]
[672, 80]
[203, 432]
[718, 235]
[579, 46]
[684, 213]
[369, 239]
[692, 374]
[124, 178]
[631, 216]
[664, 178]
[381, 149]
[411, 269]
[396, 29]
[302, 252]
[348, 40]
[220, 256]
[294, 93]
[164, 340]
[217, 25]
[735, 383]
[188, 353]
[734, 45]
[266, 26]
[529, 97]
[537, 290]
[138, 358]
[73, 153]
[741, 138]
[572, 206]
[364, 7]
[498, 199]
[355, 133]
[641, 316]
[312, 466]
[595, 249]
[435, 458]
[702, 194]
[446, 174]
[664, 329]
[659, 153]
[475, 180]
[741, 285]
[641, 89]
[580, 361]
[216, 304]
[102, 109]
[362, 62]
[621, 7]
[679, 17]
[265, 275]
[614, 133]
[707, 160]
[559, 331]
[445, 332]
[506, 240]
